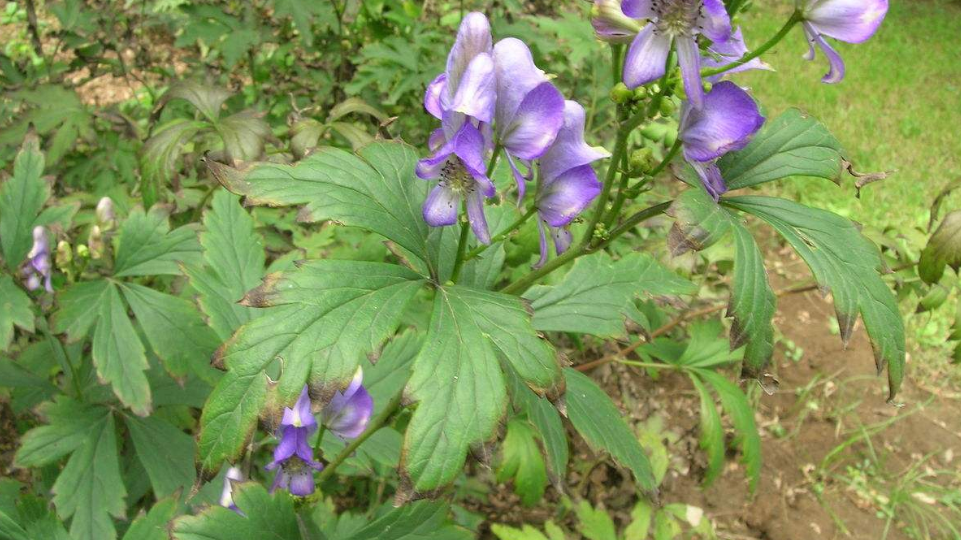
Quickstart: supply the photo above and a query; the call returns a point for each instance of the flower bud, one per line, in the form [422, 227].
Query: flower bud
[95, 242]
[641, 161]
[611, 24]
[708, 87]
[640, 93]
[64, 255]
[620, 94]
[105, 214]
[83, 251]
[667, 107]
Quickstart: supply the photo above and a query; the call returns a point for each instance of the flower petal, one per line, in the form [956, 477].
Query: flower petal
[433, 98]
[721, 54]
[535, 123]
[562, 239]
[429, 168]
[853, 21]
[476, 93]
[836, 73]
[646, 57]
[516, 77]
[689, 60]
[611, 24]
[441, 207]
[520, 178]
[714, 22]
[475, 214]
[302, 482]
[569, 149]
[726, 122]
[352, 418]
[710, 178]
[639, 9]
[543, 244]
[473, 38]
[469, 146]
[561, 200]
[288, 444]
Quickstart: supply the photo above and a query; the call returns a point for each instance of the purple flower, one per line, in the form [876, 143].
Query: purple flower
[348, 413]
[38, 267]
[721, 54]
[611, 24]
[726, 123]
[678, 22]
[852, 21]
[567, 182]
[529, 110]
[226, 496]
[462, 98]
[294, 456]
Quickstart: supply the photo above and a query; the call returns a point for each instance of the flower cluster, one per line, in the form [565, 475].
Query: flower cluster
[493, 98]
[347, 416]
[38, 268]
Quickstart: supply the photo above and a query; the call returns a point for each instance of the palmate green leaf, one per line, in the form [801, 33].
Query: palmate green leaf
[148, 246]
[793, 144]
[522, 462]
[527, 532]
[943, 249]
[69, 424]
[845, 263]
[15, 310]
[21, 199]
[173, 327]
[244, 135]
[545, 419]
[389, 374]
[594, 295]
[304, 13]
[420, 520]
[233, 257]
[90, 488]
[595, 524]
[207, 99]
[712, 433]
[57, 114]
[166, 453]
[159, 155]
[597, 419]
[79, 308]
[10, 529]
[153, 524]
[375, 190]
[736, 405]
[331, 315]
[264, 516]
[459, 383]
[118, 355]
[701, 223]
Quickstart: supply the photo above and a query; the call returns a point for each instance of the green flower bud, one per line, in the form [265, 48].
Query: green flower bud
[620, 94]
[95, 242]
[64, 254]
[641, 161]
[708, 87]
[105, 214]
[667, 107]
[83, 251]
[640, 93]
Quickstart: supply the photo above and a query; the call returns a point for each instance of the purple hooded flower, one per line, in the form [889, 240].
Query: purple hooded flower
[226, 495]
[726, 123]
[721, 54]
[852, 21]
[348, 413]
[567, 182]
[38, 267]
[611, 24]
[294, 456]
[529, 110]
[462, 98]
[678, 22]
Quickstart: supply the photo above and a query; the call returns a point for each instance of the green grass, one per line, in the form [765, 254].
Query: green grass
[899, 108]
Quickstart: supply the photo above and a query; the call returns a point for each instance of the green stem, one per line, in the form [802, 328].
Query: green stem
[621, 194]
[633, 221]
[372, 428]
[465, 227]
[648, 365]
[796, 17]
[620, 147]
[671, 154]
[498, 237]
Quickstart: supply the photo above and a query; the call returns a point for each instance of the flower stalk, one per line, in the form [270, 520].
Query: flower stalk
[796, 17]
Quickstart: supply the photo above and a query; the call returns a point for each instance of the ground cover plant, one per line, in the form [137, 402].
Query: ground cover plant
[366, 269]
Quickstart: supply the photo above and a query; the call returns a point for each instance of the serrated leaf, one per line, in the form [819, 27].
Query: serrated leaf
[263, 516]
[90, 488]
[153, 524]
[54, 111]
[333, 314]
[173, 327]
[545, 419]
[522, 462]
[374, 190]
[207, 99]
[303, 13]
[159, 155]
[237, 43]
[793, 144]
[305, 135]
[640, 521]
[233, 255]
[421, 520]
[458, 380]
[166, 453]
[595, 524]
[118, 355]
[943, 249]
[79, 308]
[594, 295]
[148, 246]
[752, 304]
[68, 425]
[356, 136]
[712, 433]
[387, 377]
[10, 529]
[736, 405]
[15, 310]
[244, 135]
[699, 222]
[230, 417]
[21, 199]
[846, 263]
[596, 418]
[503, 532]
